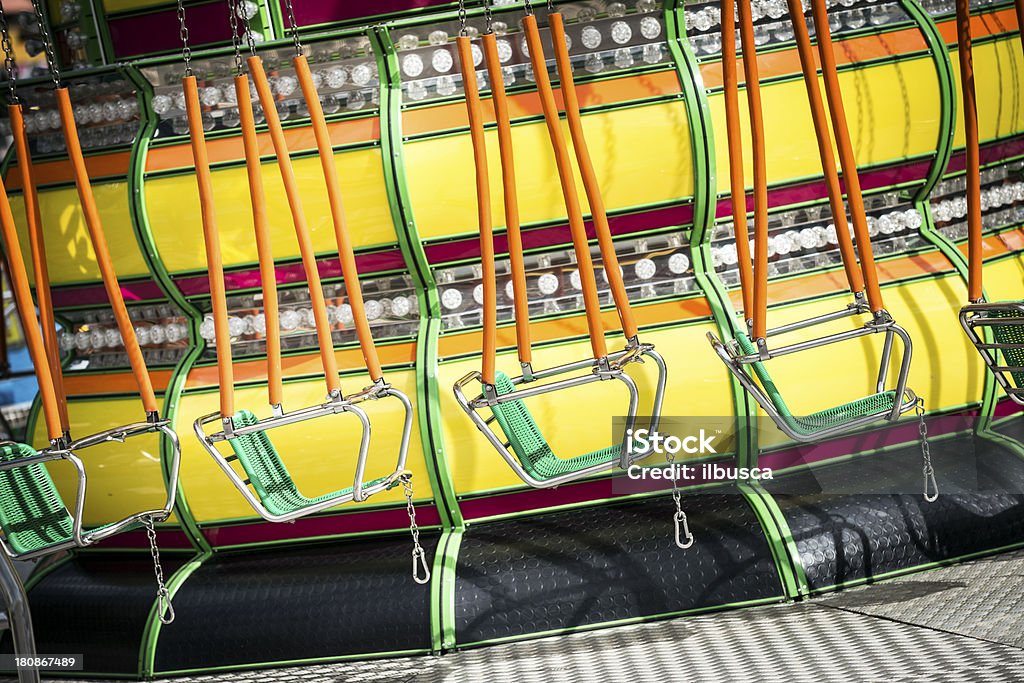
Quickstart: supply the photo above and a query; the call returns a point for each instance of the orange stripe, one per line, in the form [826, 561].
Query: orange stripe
[992, 246]
[447, 116]
[116, 383]
[299, 139]
[301, 366]
[834, 281]
[786, 62]
[60, 171]
[989, 24]
[465, 343]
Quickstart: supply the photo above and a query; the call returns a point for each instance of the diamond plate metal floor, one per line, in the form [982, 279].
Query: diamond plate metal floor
[958, 623]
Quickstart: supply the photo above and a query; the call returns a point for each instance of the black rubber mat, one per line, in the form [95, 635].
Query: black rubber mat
[299, 603]
[583, 567]
[97, 605]
[875, 526]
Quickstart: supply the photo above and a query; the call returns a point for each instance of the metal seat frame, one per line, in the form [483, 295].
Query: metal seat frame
[973, 316]
[882, 323]
[610, 368]
[336, 404]
[61, 450]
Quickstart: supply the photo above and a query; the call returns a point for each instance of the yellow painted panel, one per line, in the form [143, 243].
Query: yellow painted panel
[68, 249]
[641, 155]
[320, 454]
[998, 76]
[579, 420]
[124, 478]
[946, 370]
[172, 204]
[892, 109]
[1004, 280]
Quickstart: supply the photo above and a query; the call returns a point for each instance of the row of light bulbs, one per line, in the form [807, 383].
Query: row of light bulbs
[991, 198]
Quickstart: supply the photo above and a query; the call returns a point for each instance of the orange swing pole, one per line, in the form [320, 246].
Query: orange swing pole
[828, 160]
[99, 245]
[970, 110]
[305, 239]
[737, 185]
[753, 83]
[261, 226]
[851, 177]
[40, 267]
[590, 183]
[577, 228]
[27, 313]
[511, 195]
[350, 273]
[483, 202]
[211, 240]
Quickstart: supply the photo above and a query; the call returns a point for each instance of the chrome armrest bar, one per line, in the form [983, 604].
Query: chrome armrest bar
[850, 310]
[868, 329]
[334, 406]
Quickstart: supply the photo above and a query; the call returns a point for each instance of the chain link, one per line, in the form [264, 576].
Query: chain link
[186, 51]
[931, 486]
[419, 556]
[236, 40]
[463, 19]
[250, 37]
[528, 8]
[9, 64]
[44, 35]
[488, 17]
[293, 27]
[551, 6]
[684, 539]
[165, 610]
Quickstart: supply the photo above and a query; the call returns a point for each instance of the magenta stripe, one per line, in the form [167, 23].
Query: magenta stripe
[329, 11]
[311, 527]
[90, 295]
[368, 264]
[168, 539]
[559, 234]
[990, 153]
[158, 31]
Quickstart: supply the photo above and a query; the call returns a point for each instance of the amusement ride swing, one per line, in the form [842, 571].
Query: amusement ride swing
[1005, 318]
[33, 516]
[274, 495]
[525, 449]
[746, 355]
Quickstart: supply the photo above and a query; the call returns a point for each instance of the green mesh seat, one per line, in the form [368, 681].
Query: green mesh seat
[529, 445]
[269, 477]
[825, 419]
[1010, 334]
[32, 514]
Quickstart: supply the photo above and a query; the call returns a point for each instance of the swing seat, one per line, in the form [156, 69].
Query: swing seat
[269, 476]
[818, 425]
[530, 446]
[1006, 319]
[32, 514]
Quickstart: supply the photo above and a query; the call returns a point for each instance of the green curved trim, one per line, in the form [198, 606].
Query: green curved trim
[783, 547]
[947, 96]
[151, 631]
[147, 245]
[442, 590]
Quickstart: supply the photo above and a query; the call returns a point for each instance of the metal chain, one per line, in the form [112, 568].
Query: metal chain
[164, 608]
[419, 556]
[528, 8]
[44, 35]
[186, 51]
[488, 17]
[930, 484]
[463, 19]
[683, 537]
[236, 40]
[9, 65]
[293, 26]
[250, 37]
[551, 6]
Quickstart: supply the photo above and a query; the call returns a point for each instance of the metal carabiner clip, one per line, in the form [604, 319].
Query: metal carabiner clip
[682, 530]
[419, 560]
